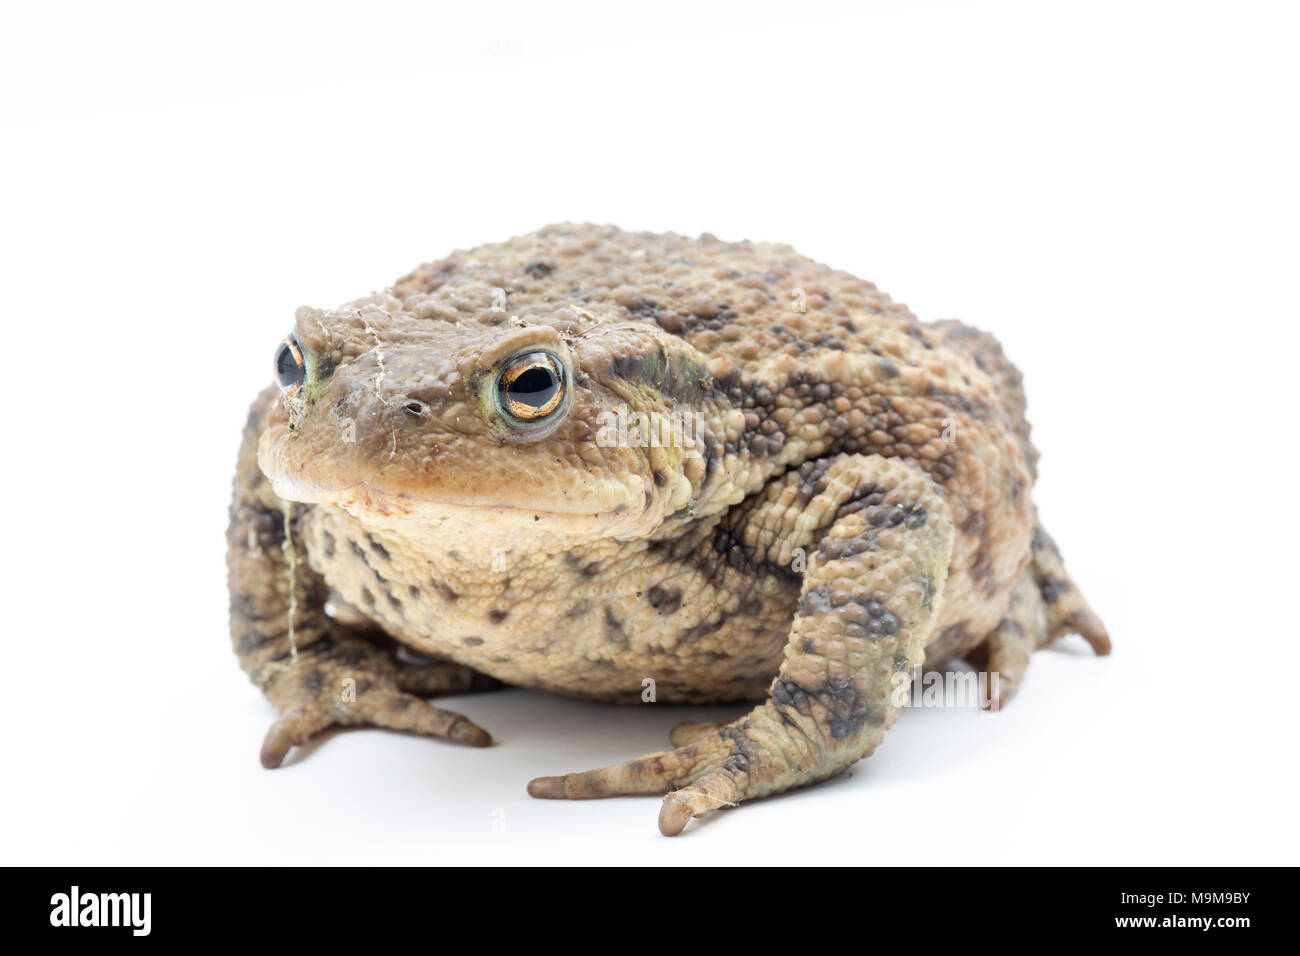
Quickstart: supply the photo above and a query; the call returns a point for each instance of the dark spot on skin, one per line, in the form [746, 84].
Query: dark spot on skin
[356, 549]
[676, 377]
[248, 607]
[367, 597]
[910, 514]
[838, 549]
[915, 331]
[540, 268]
[708, 316]
[649, 498]
[1053, 588]
[881, 622]
[614, 628]
[945, 468]
[665, 601]
[250, 641]
[444, 591]
[981, 567]
[816, 601]
[1009, 625]
[812, 479]
[380, 550]
[1016, 483]
[574, 562]
[496, 616]
[328, 540]
[847, 711]
[413, 591]
[315, 682]
[363, 686]
[692, 634]
[660, 479]
[868, 499]
[750, 606]
[472, 641]
[399, 703]
[889, 368]
[787, 693]
[975, 407]
[711, 553]
[266, 524]
[744, 754]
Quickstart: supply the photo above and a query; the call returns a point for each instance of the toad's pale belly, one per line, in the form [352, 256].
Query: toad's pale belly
[559, 622]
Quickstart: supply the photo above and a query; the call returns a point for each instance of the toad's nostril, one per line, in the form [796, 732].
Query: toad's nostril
[416, 407]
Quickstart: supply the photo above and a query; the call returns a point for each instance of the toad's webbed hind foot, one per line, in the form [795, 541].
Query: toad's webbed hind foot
[1045, 605]
[1067, 611]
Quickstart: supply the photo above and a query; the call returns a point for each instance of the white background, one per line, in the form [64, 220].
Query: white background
[1109, 187]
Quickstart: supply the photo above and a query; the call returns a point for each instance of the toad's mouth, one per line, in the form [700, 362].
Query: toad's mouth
[585, 504]
[360, 498]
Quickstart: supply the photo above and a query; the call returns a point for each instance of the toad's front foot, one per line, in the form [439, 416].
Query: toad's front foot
[340, 682]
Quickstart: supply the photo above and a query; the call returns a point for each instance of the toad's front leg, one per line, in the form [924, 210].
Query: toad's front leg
[317, 671]
[880, 538]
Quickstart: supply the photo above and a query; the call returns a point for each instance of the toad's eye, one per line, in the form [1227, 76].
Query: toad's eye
[530, 388]
[290, 369]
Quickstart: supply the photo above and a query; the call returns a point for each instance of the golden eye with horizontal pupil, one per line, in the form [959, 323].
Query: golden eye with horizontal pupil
[290, 369]
[530, 387]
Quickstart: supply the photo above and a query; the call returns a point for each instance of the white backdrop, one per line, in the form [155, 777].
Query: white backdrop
[1109, 187]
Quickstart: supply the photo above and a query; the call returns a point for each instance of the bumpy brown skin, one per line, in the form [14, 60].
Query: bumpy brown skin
[855, 502]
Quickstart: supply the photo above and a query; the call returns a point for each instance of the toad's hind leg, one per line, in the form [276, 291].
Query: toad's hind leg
[1006, 652]
[1067, 611]
[880, 538]
[1045, 604]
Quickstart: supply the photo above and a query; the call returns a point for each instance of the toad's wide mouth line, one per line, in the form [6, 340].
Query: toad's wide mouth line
[361, 495]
